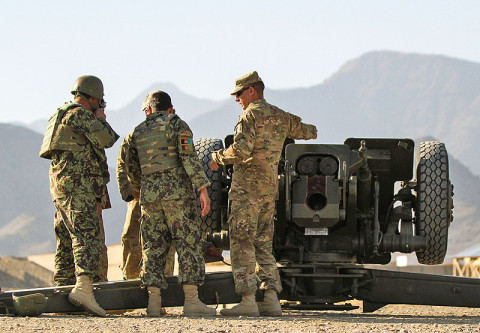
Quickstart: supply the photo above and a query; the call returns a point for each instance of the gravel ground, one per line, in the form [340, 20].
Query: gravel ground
[392, 318]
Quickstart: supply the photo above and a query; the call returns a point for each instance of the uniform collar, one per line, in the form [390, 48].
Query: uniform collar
[256, 103]
[155, 115]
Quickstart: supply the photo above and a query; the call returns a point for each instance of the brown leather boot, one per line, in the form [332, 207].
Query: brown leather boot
[82, 295]
[154, 308]
[247, 307]
[270, 305]
[193, 306]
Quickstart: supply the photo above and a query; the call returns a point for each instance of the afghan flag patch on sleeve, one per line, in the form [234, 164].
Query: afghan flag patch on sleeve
[186, 145]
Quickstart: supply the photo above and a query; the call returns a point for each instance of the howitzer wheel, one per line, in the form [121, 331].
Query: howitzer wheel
[433, 211]
[204, 146]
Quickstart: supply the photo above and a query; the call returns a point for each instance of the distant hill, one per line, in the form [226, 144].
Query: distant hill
[380, 94]
[26, 210]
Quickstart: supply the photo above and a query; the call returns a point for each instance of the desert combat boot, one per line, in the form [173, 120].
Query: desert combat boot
[82, 295]
[193, 306]
[154, 308]
[247, 307]
[270, 305]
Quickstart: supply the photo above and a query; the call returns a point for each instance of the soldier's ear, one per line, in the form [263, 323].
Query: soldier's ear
[253, 92]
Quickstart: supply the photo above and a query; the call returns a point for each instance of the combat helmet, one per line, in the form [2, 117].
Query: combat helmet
[89, 85]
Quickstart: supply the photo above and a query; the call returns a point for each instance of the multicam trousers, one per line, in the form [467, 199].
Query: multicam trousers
[168, 222]
[251, 245]
[132, 246]
[80, 240]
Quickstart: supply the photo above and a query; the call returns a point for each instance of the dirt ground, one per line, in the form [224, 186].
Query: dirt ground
[392, 318]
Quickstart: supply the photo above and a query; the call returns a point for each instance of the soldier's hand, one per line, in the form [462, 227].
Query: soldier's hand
[214, 165]
[315, 136]
[204, 201]
[100, 114]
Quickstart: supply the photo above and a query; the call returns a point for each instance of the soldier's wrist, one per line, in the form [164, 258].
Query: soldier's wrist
[204, 186]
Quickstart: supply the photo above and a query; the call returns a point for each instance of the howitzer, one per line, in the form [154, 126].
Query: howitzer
[338, 207]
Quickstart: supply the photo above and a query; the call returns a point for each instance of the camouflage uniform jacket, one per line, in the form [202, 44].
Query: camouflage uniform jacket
[258, 142]
[73, 171]
[172, 183]
[124, 185]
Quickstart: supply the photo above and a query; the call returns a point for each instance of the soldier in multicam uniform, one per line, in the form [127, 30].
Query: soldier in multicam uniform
[260, 133]
[162, 165]
[132, 249]
[75, 139]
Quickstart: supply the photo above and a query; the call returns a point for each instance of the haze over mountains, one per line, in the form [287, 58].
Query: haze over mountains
[380, 94]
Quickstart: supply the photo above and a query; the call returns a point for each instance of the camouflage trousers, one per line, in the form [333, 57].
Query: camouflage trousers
[132, 246]
[80, 240]
[251, 245]
[168, 222]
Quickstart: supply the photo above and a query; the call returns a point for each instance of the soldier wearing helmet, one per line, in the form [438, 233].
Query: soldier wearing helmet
[164, 168]
[75, 140]
[91, 89]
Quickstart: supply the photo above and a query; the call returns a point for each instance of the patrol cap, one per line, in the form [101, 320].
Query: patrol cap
[246, 81]
[157, 99]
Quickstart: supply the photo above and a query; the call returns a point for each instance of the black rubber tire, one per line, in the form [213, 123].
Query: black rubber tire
[204, 147]
[433, 211]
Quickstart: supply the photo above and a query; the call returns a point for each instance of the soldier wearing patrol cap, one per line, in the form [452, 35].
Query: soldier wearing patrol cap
[163, 168]
[260, 133]
[75, 139]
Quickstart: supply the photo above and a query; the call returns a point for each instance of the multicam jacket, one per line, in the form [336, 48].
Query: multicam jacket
[124, 185]
[258, 142]
[168, 138]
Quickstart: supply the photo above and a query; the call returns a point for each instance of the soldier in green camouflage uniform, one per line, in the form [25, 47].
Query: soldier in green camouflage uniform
[260, 133]
[131, 244]
[64, 274]
[162, 165]
[75, 140]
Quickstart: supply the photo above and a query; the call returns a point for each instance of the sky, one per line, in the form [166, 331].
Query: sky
[202, 46]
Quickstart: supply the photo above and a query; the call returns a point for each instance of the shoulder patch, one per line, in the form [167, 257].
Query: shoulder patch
[186, 145]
